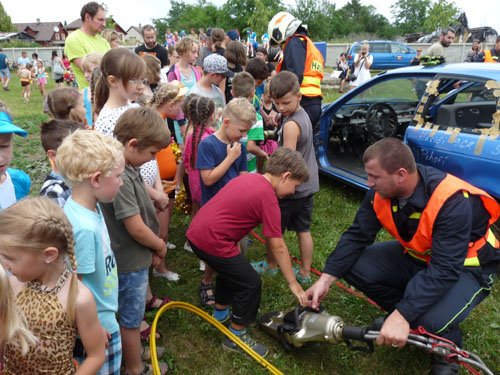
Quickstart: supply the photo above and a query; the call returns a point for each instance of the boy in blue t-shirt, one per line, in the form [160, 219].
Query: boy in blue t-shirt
[14, 183]
[94, 182]
[222, 157]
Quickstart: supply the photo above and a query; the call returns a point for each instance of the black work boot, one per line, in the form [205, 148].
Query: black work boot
[440, 366]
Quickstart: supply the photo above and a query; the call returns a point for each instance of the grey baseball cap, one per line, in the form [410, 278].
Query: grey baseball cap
[216, 63]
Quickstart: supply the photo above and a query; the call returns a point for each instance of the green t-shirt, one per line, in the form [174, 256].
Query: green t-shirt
[256, 133]
[78, 45]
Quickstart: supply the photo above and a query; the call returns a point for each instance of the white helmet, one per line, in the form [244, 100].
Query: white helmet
[282, 26]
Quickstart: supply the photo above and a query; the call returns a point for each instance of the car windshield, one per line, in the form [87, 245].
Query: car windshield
[382, 110]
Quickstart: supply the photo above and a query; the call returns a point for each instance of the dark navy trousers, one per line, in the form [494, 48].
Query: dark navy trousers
[383, 271]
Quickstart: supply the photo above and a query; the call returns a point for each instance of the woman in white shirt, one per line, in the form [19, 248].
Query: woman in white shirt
[362, 63]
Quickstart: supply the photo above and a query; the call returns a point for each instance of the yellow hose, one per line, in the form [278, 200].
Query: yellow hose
[216, 324]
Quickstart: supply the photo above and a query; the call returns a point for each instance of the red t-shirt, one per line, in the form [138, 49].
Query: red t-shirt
[241, 205]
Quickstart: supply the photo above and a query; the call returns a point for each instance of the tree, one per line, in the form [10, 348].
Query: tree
[442, 14]
[184, 16]
[410, 15]
[320, 17]
[264, 11]
[5, 22]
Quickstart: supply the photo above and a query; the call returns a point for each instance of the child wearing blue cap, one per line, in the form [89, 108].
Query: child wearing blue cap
[14, 184]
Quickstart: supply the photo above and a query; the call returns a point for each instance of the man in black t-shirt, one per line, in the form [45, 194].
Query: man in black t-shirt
[151, 47]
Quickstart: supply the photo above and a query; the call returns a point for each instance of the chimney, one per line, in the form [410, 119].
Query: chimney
[38, 21]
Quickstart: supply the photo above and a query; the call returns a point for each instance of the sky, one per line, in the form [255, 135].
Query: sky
[127, 13]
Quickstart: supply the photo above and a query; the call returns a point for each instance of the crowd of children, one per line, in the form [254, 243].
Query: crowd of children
[79, 255]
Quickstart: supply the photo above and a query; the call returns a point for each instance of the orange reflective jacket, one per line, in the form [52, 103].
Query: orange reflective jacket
[313, 70]
[421, 243]
[488, 58]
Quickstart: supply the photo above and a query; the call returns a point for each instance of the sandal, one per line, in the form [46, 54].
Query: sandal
[205, 298]
[145, 333]
[150, 303]
[146, 353]
[263, 269]
[302, 280]
[148, 369]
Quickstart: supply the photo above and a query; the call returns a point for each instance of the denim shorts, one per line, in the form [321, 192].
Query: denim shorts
[132, 289]
[4, 73]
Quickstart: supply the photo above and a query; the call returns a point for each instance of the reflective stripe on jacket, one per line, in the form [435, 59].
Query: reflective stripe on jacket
[489, 58]
[421, 243]
[313, 70]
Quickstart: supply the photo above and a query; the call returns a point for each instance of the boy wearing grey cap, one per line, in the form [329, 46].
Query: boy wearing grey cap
[215, 70]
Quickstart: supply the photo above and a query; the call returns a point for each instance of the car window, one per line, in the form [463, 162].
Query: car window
[399, 48]
[380, 48]
[409, 89]
[356, 48]
[470, 105]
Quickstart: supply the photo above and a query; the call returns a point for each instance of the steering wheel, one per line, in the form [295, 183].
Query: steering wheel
[381, 121]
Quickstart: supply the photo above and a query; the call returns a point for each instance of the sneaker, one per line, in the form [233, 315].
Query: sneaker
[260, 349]
[202, 266]
[6, 89]
[169, 275]
[225, 322]
[171, 246]
[187, 247]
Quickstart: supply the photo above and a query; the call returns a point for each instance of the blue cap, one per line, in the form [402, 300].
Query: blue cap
[6, 126]
[233, 35]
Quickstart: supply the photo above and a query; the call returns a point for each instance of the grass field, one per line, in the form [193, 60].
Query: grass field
[192, 347]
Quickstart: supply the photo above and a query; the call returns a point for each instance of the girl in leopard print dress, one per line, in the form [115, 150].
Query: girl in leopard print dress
[36, 247]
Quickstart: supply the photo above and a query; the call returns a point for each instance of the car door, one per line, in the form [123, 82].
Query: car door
[401, 55]
[381, 52]
[456, 132]
[382, 107]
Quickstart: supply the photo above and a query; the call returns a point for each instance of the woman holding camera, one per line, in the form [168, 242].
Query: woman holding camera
[362, 63]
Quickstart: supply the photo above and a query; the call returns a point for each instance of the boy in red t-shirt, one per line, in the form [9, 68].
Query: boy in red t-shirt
[241, 205]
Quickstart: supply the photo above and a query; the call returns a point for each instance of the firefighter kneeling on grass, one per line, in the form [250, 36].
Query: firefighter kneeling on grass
[445, 257]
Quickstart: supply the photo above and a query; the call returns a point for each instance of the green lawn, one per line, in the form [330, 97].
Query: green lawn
[192, 347]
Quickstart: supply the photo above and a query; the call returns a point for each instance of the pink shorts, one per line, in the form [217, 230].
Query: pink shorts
[41, 81]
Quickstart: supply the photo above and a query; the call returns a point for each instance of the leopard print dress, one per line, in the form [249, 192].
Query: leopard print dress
[48, 321]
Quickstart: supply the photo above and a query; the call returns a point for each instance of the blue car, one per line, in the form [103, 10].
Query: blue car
[449, 116]
[386, 54]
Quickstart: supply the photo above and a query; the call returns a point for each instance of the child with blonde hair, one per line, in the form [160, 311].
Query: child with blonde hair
[89, 63]
[92, 164]
[36, 247]
[13, 326]
[41, 77]
[26, 77]
[66, 103]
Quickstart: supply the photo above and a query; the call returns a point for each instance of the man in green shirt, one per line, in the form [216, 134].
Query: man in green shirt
[86, 39]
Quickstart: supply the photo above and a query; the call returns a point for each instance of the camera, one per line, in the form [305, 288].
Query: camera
[363, 53]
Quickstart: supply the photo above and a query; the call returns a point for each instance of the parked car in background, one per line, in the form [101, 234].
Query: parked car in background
[386, 54]
[448, 115]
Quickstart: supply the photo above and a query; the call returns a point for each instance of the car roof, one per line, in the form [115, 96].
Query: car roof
[480, 70]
